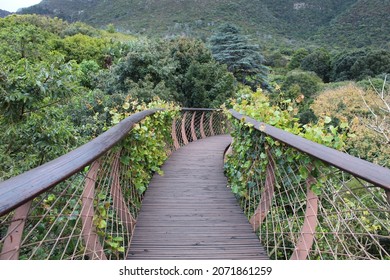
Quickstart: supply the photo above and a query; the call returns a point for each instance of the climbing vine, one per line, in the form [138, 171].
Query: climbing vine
[256, 157]
[251, 148]
[149, 143]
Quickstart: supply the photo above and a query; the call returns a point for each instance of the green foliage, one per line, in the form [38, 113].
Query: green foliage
[345, 103]
[241, 58]
[348, 23]
[20, 39]
[26, 87]
[207, 85]
[360, 64]
[44, 135]
[319, 63]
[54, 26]
[34, 130]
[297, 83]
[79, 28]
[111, 28]
[180, 70]
[362, 24]
[148, 144]
[81, 47]
[256, 157]
[41, 89]
[276, 59]
[250, 147]
[297, 58]
[89, 73]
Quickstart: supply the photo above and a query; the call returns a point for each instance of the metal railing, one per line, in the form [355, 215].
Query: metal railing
[84, 205]
[307, 201]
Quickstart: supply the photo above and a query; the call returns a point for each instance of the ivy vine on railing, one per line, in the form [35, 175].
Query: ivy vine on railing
[301, 206]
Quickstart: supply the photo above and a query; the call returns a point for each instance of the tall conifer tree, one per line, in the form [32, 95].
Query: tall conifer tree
[243, 59]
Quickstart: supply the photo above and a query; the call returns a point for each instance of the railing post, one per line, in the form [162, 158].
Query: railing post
[183, 129]
[118, 200]
[211, 124]
[174, 135]
[193, 133]
[267, 195]
[306, 238]
[202, 126]
[94, 249]
[14, 235]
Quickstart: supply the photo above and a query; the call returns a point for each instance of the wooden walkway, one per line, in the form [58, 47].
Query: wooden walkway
[189, 213]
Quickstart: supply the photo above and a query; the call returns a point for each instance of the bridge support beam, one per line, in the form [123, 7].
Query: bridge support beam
[211, 124]
[183, 129]
[174, 135]
[202, 126]
[267, 195]
[193, 132]
[306, 239]
[119, 203]
[94, 249]
[14, 235]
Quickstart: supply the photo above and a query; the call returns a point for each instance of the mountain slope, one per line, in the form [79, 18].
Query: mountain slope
[367, 22]
[159, 16]
[318, 20]
[4, 13]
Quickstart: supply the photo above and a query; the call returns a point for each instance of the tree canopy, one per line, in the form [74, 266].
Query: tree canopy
[242, 58]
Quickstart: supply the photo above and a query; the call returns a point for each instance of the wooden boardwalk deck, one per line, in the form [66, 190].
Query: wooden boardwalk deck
[189, 213]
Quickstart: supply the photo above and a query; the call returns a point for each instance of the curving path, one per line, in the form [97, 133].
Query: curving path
[189, 213]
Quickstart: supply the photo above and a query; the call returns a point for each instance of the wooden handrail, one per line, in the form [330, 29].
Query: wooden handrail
[200, 109]
[24, 187]
[365, 170]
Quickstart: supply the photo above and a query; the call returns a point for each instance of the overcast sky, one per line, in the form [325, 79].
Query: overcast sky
[14, 5]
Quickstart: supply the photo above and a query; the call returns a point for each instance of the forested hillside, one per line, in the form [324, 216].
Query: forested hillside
[337, 22]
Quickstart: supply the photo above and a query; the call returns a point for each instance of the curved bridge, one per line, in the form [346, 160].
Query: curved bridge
[92, 203]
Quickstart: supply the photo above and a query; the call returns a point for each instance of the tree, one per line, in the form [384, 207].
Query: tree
[366, 112]
[318, 62]
[22, 40]
[379, 120]
[297, 58]
[181, 70]
[301, 82]
[83, 47]
[207, 85]
[243, 59]
[26, 87]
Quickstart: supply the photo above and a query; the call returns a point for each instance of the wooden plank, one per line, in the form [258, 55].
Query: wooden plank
[189, 213]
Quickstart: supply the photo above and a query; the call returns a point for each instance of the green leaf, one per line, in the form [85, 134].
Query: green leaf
[251, 184]
[303, 172]
[102, 224]
[343, 125]
[118, 239]
[316, 189]
[113, 245]
[125, 160]
[328, 119]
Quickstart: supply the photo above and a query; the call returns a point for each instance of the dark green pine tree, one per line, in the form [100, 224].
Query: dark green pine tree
[243, 59]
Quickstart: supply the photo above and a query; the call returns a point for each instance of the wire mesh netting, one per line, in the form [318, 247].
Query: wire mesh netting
[304, 208]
